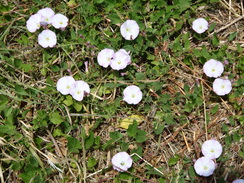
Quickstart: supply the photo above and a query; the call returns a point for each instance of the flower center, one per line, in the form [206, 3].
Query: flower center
[47, 39]
[119, 62]
[205, 167]
[200, 27]
[133, 95]
[122, 163]
[212, 150]
[127, 29]
[222, 86]
[213, 70]
[60, 23]
[78, 92]
[68, 87]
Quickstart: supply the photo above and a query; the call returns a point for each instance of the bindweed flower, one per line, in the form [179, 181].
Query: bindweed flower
[64, 84]
[222, 86]
[79, 89]
[47, 15]
[105, 56]
[204, 166]
[213, 68]
[121, 161]
[211, 149]
[127, 53]
[129, 29]
[132, 94]
[33, 23]
[238, 181]
[120, 60]
[59, 21]
[200, 25]
[47, 38]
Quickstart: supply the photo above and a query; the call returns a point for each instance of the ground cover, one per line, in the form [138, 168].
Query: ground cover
[46, 136]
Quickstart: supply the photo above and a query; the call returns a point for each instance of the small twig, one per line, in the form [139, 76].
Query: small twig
[147, 163]
[1, 175]
[55, 144]
[187, 145]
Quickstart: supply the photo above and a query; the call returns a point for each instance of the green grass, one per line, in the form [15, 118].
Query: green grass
[39, 125]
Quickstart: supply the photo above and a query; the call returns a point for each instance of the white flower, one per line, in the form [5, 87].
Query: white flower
[33, 23]
[47, 38]
[222, 86]
[200, 25]
[204, 166]
[79, 89]
[132, 94]
[47, 15]
[64, 84]
[120, 60]
[238, 181]
[211, 149]
[122, 161]
[213, 68]
[105, 56]
[59, 21]
[129, 29]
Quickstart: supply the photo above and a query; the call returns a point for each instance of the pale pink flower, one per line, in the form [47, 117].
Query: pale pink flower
[238, 181]
[120, 60]
[79, 89]
[121, 161]
[200, 25]
[204, 166]
[47, 15]
[47, 38]
[33, 23]
[222, 86]
[129, 29]
[59, 21]
[132, 94]
[211, 149]
[64, 84]
[213, 68]
[105, 56]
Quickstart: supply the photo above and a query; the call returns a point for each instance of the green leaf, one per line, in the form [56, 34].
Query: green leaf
[215, 40]
[140, 76]
[141, 136]
[26, 67]
[158, 129]
[132, 130]
[68, 101]
[77, 106]
[215, 109]
[212, 27]
[91, 162]
[20, 90]
[236, 137]
[115, 135]
[232, 36]
[73, 145]
[56, 118]
[173, 160]
[89, 141]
